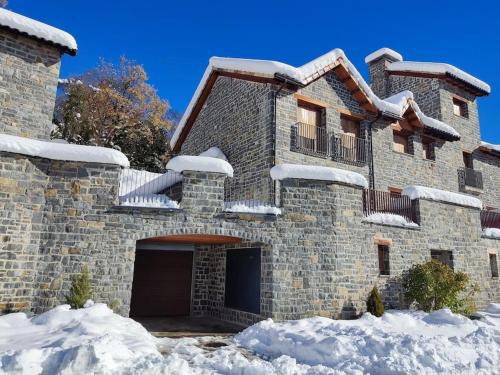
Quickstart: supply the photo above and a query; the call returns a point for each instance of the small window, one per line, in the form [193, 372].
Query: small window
[460, 108]
[428, 149]
[493, 265]
[401, 142]
[445, 257]
[383, 259]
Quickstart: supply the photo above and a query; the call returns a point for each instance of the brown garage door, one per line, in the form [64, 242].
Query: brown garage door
[162, 283]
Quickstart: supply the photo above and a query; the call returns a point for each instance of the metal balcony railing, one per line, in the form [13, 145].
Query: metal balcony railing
[139, 188]
[317, 141]
[350, 149]
[250, 196]
[375, 201]
[469, 177]
[490, 219]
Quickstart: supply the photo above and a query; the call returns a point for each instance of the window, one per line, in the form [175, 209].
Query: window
[428, 149]
[383, 259]
[350, 126]
[460, 108]
[493, 265]
[401, 141]
[445, 257]
[311, 131]
[242, 287]
[467, 156]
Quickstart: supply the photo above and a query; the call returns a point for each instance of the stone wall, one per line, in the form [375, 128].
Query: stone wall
[29, 71]
[237, 118]
[318, 257]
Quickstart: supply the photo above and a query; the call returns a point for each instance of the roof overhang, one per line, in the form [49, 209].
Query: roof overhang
[448, 77]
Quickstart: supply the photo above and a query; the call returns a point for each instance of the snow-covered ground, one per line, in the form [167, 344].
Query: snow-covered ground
[94, 340]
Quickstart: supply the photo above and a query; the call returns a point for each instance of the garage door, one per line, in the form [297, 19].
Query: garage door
[162, 283]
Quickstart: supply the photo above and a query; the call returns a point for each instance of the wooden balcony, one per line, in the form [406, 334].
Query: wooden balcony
[490, 219]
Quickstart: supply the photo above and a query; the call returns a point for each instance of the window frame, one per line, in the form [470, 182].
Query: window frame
[438, 255]
[460, 107]
[384, 264]
[493, 259]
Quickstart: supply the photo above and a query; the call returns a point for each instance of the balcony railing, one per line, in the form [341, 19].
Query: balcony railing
[317, 141]
[470, 178]
[139, 188]
[375, 201]
[490, 219]
[350, 149]
[252, 197]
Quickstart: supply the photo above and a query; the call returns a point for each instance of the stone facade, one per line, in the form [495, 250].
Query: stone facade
[319, 257]
[29, 71]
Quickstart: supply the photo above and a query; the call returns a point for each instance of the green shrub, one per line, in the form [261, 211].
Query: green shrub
[374, 303]
[114, 305]
[434, 285]
[80, 290]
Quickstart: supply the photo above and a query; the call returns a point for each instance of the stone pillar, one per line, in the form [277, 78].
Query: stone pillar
[203, 192]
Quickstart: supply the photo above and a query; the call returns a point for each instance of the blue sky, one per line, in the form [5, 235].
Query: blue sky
[174, 39]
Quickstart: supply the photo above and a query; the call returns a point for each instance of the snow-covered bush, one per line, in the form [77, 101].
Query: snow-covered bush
[80, 291]
[374, 303]
[434, 285]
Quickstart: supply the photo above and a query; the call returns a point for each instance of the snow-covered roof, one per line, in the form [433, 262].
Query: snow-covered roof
[405, 99]
[314, 172]
[38, 30]
[61, 151]
[200, 163]
[381, 52]
[490, 146]
[438, 68]
[269, 69]
[423, 192]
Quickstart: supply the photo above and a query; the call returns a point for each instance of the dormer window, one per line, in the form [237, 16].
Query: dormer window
[460, 108]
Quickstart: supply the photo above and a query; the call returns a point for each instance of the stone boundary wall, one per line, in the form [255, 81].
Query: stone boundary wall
[318, 257]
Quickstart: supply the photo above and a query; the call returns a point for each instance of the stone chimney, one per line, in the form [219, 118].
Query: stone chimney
[30, 58]
[377, 62]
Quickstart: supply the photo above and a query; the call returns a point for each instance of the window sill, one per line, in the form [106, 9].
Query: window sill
[460, 116]
[384, 276]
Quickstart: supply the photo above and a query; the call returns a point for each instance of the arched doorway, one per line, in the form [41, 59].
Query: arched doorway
[163, 274]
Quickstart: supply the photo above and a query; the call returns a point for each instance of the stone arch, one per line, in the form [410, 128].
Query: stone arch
[245, 235]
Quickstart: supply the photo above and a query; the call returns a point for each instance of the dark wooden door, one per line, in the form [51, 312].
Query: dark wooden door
[162, 283]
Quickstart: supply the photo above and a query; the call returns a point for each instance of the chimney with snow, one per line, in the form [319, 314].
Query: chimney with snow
[377, 62]
[30, 58]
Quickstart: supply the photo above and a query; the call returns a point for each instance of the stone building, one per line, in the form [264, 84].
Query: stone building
[294, 192]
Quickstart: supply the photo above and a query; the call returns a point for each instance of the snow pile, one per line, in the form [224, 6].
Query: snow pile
[200, 163]
[438, 68]
[390, 219]
[214, 152]
[61, 151]
[400, 342]
[94, 340]
[251, 207]
[37, 29]
[422, 192]
[405, 98]
[381, 52]
[491, 146]
[149, 201]
[89, 340]
[491, 232]
[312, 172]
